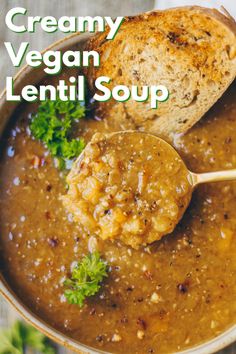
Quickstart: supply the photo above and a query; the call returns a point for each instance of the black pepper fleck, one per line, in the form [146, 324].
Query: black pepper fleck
[99, 338]
[53, 242]
[141, 323]
[48, 188]
[183, 288]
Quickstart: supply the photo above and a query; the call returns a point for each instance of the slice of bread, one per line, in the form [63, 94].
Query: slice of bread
[190, 50]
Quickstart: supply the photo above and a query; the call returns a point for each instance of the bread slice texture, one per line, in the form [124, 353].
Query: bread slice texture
[190, 50]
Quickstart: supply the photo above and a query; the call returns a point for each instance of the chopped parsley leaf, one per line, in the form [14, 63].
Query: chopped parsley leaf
[86, 279]
[52, 125]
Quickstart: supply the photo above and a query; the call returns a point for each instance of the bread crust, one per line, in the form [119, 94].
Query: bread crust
[197, 51]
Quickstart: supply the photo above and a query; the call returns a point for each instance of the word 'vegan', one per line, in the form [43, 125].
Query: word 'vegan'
[52, 59]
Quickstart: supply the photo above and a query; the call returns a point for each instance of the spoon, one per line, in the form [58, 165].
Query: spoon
[194, 178]
[132, 186]
[209, 177]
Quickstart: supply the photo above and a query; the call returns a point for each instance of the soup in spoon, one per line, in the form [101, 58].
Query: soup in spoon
[129, 186]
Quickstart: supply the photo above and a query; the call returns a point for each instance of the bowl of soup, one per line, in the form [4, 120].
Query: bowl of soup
[176, 295]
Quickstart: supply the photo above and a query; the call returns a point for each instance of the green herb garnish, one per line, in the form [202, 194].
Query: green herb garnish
[86, 279]
[52, 125]
[21, 336]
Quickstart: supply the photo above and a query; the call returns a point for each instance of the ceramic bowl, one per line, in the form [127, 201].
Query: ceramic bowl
[26, 76]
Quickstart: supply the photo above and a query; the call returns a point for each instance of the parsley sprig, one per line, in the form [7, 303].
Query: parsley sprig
[86, 279]
[52, 125]
[21, 336]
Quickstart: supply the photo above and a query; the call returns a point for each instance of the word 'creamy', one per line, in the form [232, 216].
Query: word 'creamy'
[65, 24]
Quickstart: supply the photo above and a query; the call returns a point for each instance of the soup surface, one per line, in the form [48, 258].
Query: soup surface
[153, 297]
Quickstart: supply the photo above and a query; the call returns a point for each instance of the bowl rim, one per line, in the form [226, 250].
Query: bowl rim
[208, 347]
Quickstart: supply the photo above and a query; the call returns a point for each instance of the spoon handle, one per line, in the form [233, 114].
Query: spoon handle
[198, 178]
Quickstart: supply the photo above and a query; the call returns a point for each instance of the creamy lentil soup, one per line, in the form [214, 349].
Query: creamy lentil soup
[128, 186]
[153, 297]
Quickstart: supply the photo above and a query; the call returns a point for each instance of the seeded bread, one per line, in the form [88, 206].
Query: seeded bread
[191, 50]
